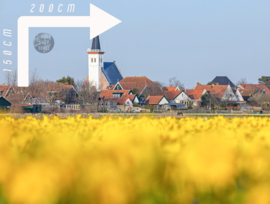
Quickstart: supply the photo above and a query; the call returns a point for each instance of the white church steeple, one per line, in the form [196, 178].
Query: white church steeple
[95, 63]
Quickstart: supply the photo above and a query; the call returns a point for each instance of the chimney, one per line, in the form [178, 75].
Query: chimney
[197, 83]
[3, 84]
[217, 83]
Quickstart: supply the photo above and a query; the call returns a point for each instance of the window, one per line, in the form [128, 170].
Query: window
[117, 95]
[94, 59]
[91, 59]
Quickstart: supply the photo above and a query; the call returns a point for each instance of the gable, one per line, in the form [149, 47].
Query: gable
[238, 95]
[229, 95]
[111, 72]
[182, 96]
[163, 101]
[118, 87]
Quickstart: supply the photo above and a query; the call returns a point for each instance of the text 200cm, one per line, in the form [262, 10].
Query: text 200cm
[70, 8]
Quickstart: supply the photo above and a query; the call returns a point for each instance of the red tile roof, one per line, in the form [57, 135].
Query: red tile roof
[131, 97]
[258, 87]
[215, 90]
[5, 89]
[153, 100]
[246, 92]
[194, 94]
[109, 93]
[121, 101]
[129, 83]
[171, 95]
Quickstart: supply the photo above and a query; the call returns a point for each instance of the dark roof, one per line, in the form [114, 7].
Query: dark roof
[223, 80]
[111, 72]
[96, 43]
[4, 102]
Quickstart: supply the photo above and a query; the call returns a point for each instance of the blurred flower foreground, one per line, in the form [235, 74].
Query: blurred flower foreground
[145, 160]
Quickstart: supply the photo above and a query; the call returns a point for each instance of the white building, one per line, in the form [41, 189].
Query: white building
[101, 74]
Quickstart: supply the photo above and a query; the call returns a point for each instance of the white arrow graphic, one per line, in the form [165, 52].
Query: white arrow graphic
[99, 21]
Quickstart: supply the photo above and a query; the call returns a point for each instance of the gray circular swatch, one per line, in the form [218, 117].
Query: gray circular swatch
[44, 42]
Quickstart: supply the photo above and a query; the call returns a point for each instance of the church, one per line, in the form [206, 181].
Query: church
[102, 75]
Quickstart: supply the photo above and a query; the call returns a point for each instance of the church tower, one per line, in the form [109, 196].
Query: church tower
[95, 63]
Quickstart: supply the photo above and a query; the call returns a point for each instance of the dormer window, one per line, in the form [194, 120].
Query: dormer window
[1, 92]
[117, 95]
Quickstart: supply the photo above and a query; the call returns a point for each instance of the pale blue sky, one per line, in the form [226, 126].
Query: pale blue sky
[193, 40]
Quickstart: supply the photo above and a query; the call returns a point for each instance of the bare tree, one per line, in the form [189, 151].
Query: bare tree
[161, 84]
[86, 91]
[8, 78]
[175, 82]
[242, 81]
[11, 78]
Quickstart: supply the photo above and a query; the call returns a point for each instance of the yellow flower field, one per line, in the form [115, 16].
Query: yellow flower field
[134, 161]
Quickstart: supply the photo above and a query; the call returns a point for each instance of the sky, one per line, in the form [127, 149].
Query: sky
[192, 40]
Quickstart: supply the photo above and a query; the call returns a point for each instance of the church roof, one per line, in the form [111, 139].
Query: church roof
[223, 80]
[111, 72]
[96, 43]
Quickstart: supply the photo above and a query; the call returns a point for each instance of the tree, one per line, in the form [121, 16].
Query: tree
[11, 78]
[161, 84]
[265, 80]
[86, 91]
[135, 91]
[242, 81]
[66, 80]
[209, 100]
[175, 82]
[211, 83]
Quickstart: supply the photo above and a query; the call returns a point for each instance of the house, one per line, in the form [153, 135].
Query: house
[255, 87]
[6, 90]
[115, 93]
[177, 97]
[32, 108]
[239, 97]
[20, 95]
[223, 80]
[134, 98]
[246, 93]
[222, 92]
[195, 96]
[124, 101]
[101, 75]
[4, 104]
[124, 104]
[119, 94]
[62, 92]
[170, 88]
[142, 86]
[157, 101]
[249, 90]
